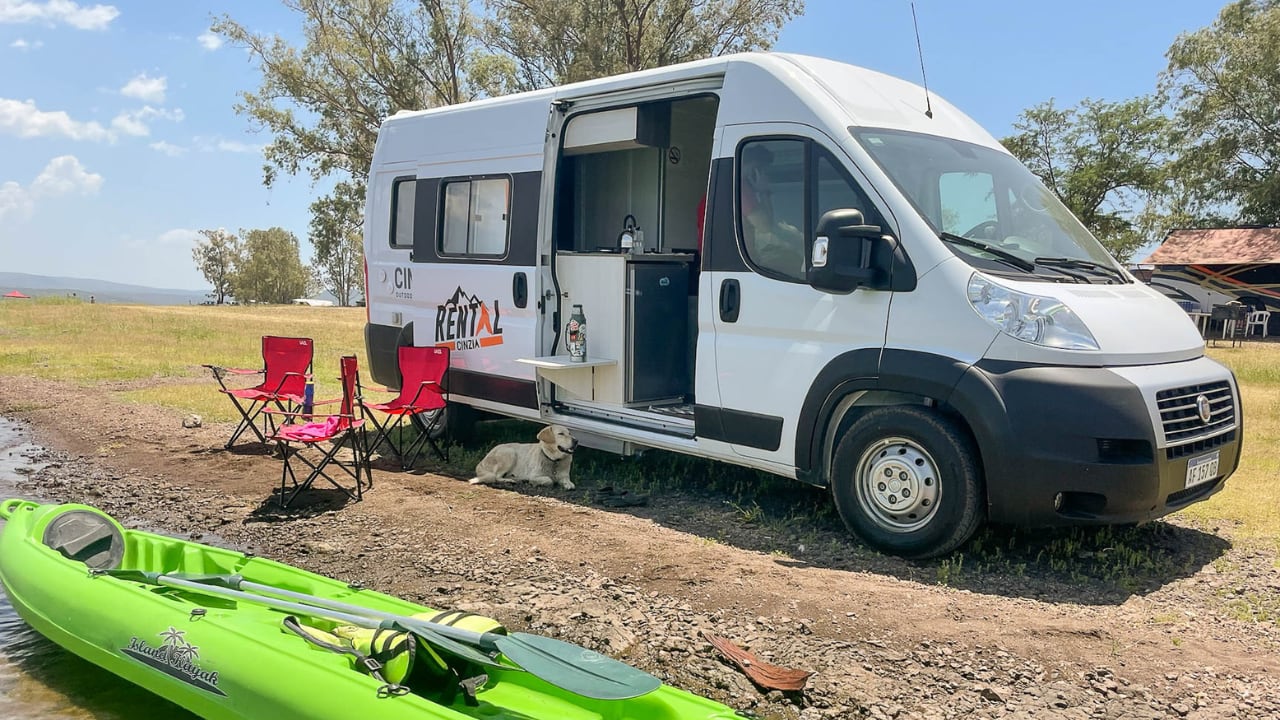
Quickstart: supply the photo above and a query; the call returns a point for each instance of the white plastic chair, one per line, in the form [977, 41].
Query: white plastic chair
[1257, 318]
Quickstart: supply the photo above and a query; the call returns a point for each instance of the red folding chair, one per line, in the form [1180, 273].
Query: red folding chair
[286, 367]
[421, 400]
[344, 429]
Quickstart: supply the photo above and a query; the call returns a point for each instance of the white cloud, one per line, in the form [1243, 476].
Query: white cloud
[135, 122]
[235, 146]
[64, 175]
[179, 236]
[219, 144]
[168, 148]
[54, 12]
[15, 201]
[209, 40]
[146, 89]
[24, 119]
[24, 44]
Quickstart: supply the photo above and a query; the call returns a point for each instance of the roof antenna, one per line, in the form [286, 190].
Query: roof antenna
[928, 109]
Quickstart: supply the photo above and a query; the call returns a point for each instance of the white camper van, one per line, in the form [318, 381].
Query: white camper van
[788, 263]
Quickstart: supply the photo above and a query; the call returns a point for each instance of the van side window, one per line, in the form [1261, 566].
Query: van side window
[771, 205]
[402, 194]
[476, 214]
[837, 191]
[784, 188]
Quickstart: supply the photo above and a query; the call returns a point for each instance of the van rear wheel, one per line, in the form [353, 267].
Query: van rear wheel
[906, 481]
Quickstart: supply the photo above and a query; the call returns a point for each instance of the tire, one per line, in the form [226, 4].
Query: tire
[460, 420]
[907, 482]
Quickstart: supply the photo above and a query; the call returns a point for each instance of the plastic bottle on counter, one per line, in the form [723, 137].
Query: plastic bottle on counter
[576, 335]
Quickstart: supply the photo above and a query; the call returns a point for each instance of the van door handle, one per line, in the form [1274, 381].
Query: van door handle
[729, 300]
[520, 290]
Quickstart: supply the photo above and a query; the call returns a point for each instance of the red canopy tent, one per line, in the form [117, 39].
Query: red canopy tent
[16, 294]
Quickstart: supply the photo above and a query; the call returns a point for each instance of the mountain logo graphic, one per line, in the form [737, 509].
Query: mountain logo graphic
[465, 322]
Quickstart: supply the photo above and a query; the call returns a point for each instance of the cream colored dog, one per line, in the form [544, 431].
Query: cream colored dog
[546, 462]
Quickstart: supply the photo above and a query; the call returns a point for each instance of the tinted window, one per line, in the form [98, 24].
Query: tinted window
[402, 194]
[837, 191]
[476, 217]
[778, 181]
[771, 205]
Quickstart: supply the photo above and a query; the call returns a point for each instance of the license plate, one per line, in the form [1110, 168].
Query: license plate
[1202, 469]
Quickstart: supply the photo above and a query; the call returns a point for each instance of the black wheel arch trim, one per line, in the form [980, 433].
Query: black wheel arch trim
[910, 372]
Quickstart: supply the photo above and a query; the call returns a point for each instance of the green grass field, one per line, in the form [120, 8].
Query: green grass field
[153, 355]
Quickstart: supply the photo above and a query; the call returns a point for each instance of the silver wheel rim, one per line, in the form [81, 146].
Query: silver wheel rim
[897, 484]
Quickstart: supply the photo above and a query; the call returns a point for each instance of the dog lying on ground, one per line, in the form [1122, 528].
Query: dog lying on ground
[546, 462]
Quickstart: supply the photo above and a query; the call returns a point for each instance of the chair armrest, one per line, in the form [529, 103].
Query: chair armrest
[314, 404]
[314, 417]
[233, 371]
[286, 376]
[220, 372]
[430, 385]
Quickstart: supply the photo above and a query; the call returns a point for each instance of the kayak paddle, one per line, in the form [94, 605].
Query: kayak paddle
[440, 642]
[565, 665]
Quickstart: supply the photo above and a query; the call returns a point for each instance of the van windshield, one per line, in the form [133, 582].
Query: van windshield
[976, 197]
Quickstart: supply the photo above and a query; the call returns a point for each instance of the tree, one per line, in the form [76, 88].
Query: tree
[362, 61]
[338, 242]
[550, 42]
[215, 257]
[342, 270]
[269, 269]
[1224, 81]
[1105, 161]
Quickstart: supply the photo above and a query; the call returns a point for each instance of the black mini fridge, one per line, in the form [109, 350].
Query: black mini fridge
[658, 314]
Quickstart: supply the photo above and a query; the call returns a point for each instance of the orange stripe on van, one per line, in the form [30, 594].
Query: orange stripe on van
[491, 341]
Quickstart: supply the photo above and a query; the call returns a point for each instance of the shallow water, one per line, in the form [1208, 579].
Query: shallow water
[39, 679]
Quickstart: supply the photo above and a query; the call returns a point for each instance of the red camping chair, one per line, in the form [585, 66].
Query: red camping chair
[342, 429]
[422, 399]
[286, 367]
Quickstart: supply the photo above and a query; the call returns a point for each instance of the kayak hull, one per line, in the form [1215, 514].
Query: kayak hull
[228, 659]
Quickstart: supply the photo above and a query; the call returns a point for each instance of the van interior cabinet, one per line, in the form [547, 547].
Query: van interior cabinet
[657, 356]
[636, 309]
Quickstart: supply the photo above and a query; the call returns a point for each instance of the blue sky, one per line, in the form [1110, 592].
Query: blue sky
[118, 138]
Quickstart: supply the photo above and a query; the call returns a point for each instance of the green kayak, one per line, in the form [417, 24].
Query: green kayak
[227, 635]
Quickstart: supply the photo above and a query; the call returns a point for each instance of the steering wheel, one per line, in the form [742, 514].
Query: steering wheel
[981, 229]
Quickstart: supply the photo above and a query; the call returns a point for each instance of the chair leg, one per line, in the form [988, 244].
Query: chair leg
[384, 431]
[424, 439]
[318, 471]
[247, 421]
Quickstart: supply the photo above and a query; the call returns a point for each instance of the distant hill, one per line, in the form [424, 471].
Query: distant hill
[101, 290]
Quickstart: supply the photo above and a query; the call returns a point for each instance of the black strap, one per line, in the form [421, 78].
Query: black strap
[469, 688]
[450, 617]
[370, 665]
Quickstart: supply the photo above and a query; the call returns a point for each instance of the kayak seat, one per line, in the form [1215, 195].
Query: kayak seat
[86, 537]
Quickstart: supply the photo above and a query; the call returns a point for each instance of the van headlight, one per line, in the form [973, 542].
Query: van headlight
[1030, 318]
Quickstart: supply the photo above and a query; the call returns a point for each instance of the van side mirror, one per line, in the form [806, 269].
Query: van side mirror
[848, 254]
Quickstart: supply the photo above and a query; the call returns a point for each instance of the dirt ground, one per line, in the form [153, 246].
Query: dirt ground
[883, 636]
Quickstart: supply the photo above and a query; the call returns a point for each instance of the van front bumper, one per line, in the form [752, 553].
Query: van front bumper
[1075, 445]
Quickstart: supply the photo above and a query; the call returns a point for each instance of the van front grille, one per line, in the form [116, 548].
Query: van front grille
[1180, 414]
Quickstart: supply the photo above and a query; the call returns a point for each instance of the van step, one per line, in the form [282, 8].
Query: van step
[681, 411]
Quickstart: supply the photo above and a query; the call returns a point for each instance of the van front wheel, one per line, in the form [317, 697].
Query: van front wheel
[906, 481]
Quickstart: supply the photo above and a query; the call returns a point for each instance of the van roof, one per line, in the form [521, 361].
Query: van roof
[870, 98]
